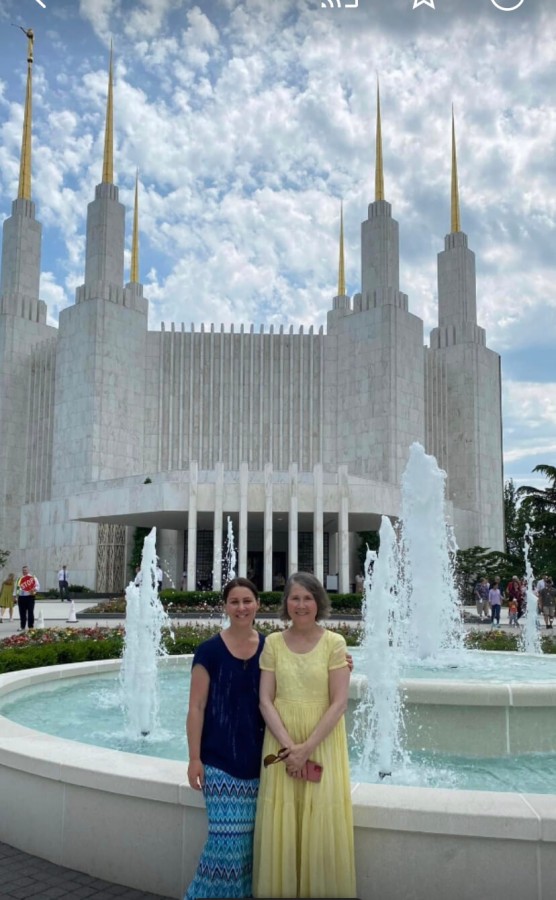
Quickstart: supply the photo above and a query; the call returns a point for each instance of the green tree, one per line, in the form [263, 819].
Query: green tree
[139, 536]
[538, 506]
[514, 520]
[479, 562]
[4, 556]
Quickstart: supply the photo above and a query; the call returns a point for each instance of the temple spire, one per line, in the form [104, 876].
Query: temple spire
[24, 190]
[134, 275]
[341, 267]
[108, 160]
[456, 222]
[379, 167]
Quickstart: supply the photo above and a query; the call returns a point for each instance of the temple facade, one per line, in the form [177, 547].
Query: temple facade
[299, 440]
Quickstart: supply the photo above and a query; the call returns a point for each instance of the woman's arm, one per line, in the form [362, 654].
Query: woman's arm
[338, 688]
[267, 693]
[198, 696]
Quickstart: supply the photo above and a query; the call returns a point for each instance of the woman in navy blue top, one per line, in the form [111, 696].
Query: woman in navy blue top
[225, 733]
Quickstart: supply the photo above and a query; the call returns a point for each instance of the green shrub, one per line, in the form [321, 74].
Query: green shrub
[193, 599]
[14, 659]
[346, 602]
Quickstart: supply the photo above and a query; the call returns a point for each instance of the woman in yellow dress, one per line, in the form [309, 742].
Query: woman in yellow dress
[7, 596]
[303, 828]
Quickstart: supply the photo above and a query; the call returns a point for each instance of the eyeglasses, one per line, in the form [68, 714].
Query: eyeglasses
[272, 758]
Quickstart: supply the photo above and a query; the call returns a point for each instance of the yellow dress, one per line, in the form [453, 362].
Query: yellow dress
[304, 831]
[6, 595]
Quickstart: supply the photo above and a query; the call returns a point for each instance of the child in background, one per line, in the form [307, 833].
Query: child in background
[512, 613]
[495, 600]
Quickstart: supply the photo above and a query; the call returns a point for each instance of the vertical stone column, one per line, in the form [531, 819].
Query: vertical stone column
[293, 520]
[243, 518]
[343, 530]
[192, 527]
[318, 513]
[217, 527]
[267, 579]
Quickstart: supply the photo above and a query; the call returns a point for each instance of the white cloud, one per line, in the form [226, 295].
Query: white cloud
[249, 120]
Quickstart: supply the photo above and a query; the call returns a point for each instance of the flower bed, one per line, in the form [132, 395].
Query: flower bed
[53, 646]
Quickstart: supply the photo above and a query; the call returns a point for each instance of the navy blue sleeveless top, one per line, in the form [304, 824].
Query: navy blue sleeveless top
[233, 728]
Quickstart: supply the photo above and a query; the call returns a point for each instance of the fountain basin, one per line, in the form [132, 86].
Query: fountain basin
[475, 719]
[134, 820]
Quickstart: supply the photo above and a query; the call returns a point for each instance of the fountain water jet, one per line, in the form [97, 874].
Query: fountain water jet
[229, 567]
[530, 637]
[145, 619]
[434, 618]
[378, 716]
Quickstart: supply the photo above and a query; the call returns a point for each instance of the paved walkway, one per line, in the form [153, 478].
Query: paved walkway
[23, 876]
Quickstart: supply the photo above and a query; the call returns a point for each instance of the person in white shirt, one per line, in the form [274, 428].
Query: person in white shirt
[63, 584]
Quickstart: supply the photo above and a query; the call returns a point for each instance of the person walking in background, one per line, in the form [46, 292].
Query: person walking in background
[159, 578]
[6, 596]
[359, 583]
[495, 600]
[25, 589]
[481, 599]
[63, 584]
[304, 844]
[547, 600]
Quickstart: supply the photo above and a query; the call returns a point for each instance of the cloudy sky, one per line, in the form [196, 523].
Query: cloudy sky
[248, 121]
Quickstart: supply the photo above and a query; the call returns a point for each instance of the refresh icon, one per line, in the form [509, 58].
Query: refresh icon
[503, 8]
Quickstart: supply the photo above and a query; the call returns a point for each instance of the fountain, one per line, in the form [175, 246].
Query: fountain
[434, 620]
[133, 819]
[377, 719]
[229, 566]
[530, 637]
[145, 619]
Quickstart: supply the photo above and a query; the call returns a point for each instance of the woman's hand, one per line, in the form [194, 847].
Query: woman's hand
[296, 760]
[196, 774]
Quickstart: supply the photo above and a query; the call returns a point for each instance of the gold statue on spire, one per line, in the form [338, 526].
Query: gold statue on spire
[341, 267]
[24, 189]
[456, 222]
[30, 35]
[379, 167]
[108, 159]
[134, 273]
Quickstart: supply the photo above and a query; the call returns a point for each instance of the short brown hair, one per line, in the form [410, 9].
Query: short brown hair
[310, 583]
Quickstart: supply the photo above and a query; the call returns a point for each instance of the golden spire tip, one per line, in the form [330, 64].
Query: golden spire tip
[379, 167]
[456, 221]
[341, 266]
[108, 159]
[24, 188]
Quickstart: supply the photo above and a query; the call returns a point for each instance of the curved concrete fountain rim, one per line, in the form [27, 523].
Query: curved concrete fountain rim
[82, 795]
[50, 751]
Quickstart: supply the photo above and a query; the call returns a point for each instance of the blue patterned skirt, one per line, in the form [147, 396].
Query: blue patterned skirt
[226, 865]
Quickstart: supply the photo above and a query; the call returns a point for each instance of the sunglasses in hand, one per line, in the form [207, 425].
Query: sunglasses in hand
[313, 770]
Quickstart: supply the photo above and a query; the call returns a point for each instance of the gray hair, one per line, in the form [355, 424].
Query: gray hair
[315, 588]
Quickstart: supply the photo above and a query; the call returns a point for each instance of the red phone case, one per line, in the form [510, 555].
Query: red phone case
[314, 771]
